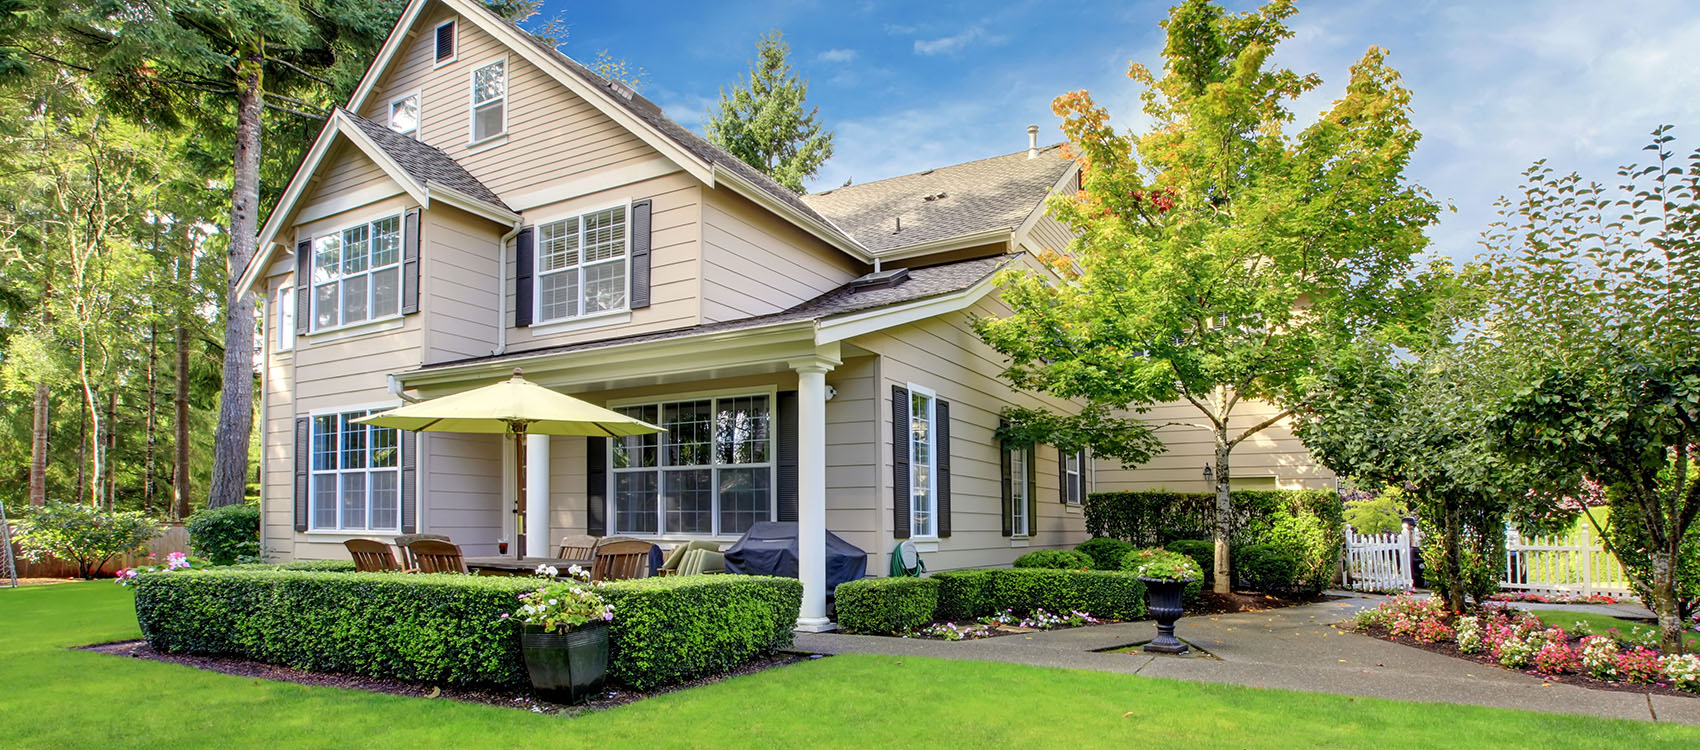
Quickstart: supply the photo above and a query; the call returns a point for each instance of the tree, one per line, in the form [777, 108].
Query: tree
[85, 535]
[1595, 325]
[763, 123]
[1220, 258]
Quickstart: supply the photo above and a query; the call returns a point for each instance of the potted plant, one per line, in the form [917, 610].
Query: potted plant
[564, 636]
[1166, 575]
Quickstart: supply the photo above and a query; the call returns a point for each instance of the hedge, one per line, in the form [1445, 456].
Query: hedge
[1106, 553]
[886, 605]
[971, 594]
[226, 534]
[447, 629]
[1059, 559]
[1266, 567]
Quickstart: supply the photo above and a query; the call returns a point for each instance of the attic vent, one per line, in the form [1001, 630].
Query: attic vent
[931, 198]
[879, 280]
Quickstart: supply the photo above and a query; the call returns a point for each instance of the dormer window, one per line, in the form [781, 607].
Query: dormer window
[581, 265]
[404, 115]
[489, 101]
[445, 42]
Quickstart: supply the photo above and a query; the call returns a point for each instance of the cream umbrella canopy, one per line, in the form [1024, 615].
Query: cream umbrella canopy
[517, 407]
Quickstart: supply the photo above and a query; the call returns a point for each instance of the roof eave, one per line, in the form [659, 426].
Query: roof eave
[947, 244]
[826, 232]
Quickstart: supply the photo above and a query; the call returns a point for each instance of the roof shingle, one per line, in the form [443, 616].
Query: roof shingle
[425, 163]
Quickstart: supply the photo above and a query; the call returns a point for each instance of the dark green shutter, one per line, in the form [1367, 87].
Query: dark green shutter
[303, 456]
[941, 464]
[900, 462]
[596, 486]
[303, 286]
[641, 223]
[409, 482]
[1032, 490]
[410, 262]
[1008, 487]
[523, 257]
[787, 492]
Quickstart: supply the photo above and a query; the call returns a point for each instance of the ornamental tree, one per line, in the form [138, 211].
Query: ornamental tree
[86, 535]
[1221, 256]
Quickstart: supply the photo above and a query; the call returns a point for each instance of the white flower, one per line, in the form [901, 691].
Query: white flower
[552, 571]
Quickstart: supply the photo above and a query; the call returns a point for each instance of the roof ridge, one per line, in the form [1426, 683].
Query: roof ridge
[1042, 149]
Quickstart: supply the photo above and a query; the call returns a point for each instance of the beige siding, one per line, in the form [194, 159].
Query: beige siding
[345, 172]
[553, 136]
[277, 436]
[461, 490]
[458, 288]
[1047, 234]
[1271, 459]
[754, 264]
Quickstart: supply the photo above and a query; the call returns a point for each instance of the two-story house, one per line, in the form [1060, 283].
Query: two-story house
[484, 202]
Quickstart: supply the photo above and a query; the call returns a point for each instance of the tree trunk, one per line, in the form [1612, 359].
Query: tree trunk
[82, 450]
[1452, 567]
[38, 446]
[236, 398]
[150, 463]
[180, 485]
[1223, 582]
[110, 479]
[1665, 605]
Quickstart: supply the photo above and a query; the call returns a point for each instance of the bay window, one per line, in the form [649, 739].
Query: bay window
[357, 274]
[356, 475]
[710, 473]
[581, 265]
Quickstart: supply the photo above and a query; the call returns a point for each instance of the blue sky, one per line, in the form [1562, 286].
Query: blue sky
[908, 86]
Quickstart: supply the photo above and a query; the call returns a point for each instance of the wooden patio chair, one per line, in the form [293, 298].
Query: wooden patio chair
[579, 547]
[435, 556]
[371, 556]
[620, 560]
[402, 541]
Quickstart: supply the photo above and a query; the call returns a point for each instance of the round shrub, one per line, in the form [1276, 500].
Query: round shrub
[1156, 562]
[1267, 568]
[225, 535]
[886, 605]
[1201, 551]
[1106, 552]
[1058, 559]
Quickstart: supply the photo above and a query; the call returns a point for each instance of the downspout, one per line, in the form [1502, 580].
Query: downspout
[396, 389]
[502, 288]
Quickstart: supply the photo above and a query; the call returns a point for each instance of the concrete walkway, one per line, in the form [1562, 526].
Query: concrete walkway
[1295, 648]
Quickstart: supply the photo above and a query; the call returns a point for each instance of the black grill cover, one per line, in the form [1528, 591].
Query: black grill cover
[770, 549]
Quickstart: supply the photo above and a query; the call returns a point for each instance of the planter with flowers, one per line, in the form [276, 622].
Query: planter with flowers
[1166, 575]
[565, 636]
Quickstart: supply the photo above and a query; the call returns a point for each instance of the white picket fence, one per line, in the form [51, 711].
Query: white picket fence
[1378, 562]
[1573, 563]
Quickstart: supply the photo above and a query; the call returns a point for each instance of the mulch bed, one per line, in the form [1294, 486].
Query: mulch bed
[1450, 648]
[1212, 603]
[493, 696]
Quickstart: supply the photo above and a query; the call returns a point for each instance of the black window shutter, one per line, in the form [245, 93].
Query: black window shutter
[641, 224]
[1032, 491]
[410, 262]
[1062, 476]
[303, 450]
[787, 457]
[523, 256]
[900, 461]
[303, 286]
[409, 482]
[1008, 486]
[445, 41]
[941, 461]
[596, 486]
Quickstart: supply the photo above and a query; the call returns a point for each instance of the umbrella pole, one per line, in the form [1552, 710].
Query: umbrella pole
[519, 509]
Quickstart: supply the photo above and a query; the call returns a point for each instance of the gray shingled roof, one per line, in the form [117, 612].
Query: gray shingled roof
[923, 283]
[978, 196]
[425, 163]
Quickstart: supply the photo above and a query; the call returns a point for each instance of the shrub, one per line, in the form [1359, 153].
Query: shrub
[972, 594]
[1266, 567]
[1201, 552]
[1057, 559]
[1156, 562]
[965, 594]
[226, 535]
[320, 566]
[1106, 553]
[1310, 524]
[83, 534]
[887, 605]
[447, 629]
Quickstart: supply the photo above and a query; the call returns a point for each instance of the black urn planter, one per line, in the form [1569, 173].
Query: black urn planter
[567, 667]
[1164, 596]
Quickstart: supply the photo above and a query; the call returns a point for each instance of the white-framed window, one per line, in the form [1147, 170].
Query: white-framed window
[489, 100]
[582, 265]
[1019, 523]
[357, 274]
[356, 474]
[710, 474]
[285, 318]
[447, 46]
[404, 115]
[923, 463]
[1074, 489]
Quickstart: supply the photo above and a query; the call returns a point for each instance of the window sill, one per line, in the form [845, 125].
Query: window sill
[1072, 508]
[1019, 541]
[925, 545]
[356, 329]
[343, 535]
[491, 142]
[598, 320]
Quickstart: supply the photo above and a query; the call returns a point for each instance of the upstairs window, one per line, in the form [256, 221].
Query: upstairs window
[489, 101]
[404, 115]
[357, 274]
[286, 319]
[445, 42]
[581, 265]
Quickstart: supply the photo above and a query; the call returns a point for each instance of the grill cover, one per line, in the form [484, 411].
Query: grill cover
[769, 548]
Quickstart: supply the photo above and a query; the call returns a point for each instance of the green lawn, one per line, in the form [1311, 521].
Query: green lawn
[56, 698]
[1599, 624]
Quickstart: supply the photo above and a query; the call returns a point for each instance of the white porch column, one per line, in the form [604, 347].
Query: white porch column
[537, 541]
[811, 489]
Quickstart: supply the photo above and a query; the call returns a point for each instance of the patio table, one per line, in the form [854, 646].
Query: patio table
[505, 565]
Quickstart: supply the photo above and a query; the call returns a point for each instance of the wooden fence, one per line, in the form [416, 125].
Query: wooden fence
[1570, 563]
[1378, 562]
[175, 539]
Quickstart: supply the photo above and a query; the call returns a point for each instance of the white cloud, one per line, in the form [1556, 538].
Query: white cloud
[956, 42]
[837, 56]
[898, 29]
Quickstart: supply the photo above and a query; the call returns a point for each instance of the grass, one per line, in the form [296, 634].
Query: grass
[63, 698]
[1599, 624]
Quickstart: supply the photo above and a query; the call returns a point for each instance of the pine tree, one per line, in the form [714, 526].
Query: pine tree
[763, 123]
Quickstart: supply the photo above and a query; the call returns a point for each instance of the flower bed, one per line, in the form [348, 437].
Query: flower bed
[1002, 623]
[1528, 598]
[1519, 640]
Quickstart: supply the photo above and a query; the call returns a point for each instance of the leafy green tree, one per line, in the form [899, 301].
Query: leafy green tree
[1381, 513]
[1220, 257]
[1595, 334]
[88, 536]
[763, 121]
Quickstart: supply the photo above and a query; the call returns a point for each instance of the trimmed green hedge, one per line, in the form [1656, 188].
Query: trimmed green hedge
[227, 534]
[1106, 553]
[1058, 559]
[447, 629]
[970, 594]
[1201, 552]
[886, 605]
[1266, 567]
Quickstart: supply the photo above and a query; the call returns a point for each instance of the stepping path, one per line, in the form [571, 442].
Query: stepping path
[1294, 648]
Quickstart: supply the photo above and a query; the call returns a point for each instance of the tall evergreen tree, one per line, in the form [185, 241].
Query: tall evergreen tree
[763, 123]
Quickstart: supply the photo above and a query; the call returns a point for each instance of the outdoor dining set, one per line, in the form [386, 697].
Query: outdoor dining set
[607, 558]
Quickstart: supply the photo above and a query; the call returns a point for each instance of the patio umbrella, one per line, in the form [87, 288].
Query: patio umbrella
[517, 407]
